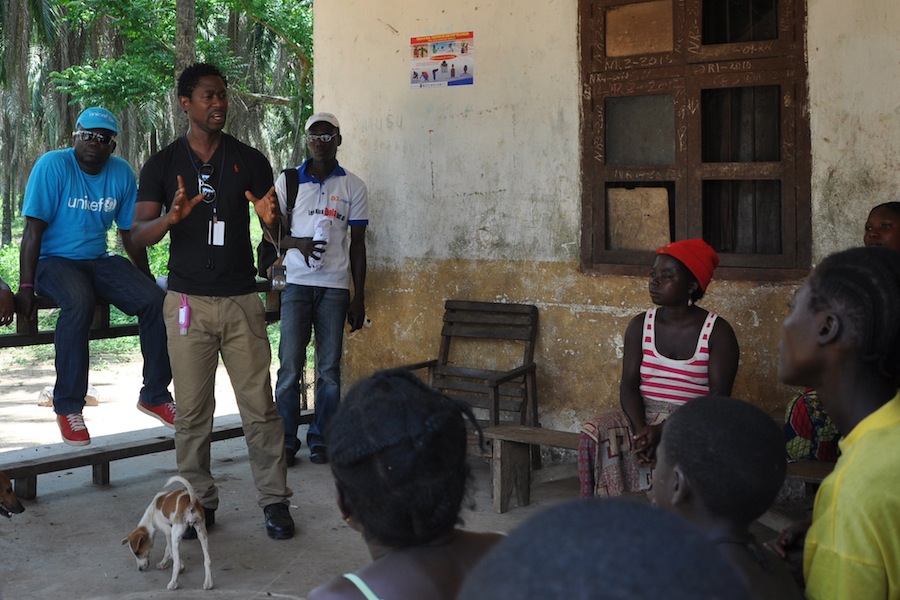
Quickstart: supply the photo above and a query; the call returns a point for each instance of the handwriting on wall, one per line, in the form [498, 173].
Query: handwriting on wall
[382, 123]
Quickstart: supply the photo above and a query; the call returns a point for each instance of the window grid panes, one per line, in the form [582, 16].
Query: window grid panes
[705, 136]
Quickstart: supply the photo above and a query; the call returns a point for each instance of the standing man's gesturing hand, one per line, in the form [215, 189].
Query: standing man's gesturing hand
[181, 204]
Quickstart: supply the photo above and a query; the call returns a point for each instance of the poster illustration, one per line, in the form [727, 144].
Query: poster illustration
[442, 60]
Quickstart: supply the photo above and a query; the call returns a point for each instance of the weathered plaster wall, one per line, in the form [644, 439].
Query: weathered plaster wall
[854, 75]
[582, 321]
[482, 171]
[475, 191]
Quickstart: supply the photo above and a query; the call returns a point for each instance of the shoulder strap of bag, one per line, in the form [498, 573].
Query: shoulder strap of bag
[292, 184]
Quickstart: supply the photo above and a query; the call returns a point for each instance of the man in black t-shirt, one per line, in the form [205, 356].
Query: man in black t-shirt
[204, 180]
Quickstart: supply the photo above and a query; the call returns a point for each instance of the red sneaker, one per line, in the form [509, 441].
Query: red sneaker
[74, 433]
[164, 412]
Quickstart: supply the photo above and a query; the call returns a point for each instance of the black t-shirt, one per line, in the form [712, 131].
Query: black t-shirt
[195, 265]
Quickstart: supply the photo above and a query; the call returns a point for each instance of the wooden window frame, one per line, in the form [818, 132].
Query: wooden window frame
[684, 72]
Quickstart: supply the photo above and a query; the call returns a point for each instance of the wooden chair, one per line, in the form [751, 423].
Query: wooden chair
[487, 359]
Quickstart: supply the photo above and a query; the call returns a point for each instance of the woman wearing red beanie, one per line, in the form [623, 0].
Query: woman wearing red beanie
[673, 353]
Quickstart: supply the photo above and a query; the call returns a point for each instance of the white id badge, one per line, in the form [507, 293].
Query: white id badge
[217, 233]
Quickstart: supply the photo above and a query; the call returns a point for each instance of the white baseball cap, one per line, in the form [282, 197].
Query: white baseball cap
[327, 117]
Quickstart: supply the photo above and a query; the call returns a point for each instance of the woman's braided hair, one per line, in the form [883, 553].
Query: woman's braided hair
[863, 285]
[398, 454]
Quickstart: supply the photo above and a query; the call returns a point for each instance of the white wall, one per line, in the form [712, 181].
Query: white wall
[494, 167]
[475, 191]
[483, 171]
[854, 87]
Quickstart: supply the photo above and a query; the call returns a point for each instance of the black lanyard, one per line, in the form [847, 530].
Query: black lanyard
[204, 178]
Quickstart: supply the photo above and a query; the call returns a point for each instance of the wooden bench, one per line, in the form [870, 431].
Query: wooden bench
[28, 463]
[511, 464]
[28, 334]
[810, 472]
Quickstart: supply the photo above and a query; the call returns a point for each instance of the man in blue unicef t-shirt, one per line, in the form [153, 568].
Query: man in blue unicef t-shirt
[72, 198]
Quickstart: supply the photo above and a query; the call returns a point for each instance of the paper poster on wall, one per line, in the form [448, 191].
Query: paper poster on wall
[442, 60]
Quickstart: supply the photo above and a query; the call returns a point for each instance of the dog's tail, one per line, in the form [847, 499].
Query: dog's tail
[187, 485]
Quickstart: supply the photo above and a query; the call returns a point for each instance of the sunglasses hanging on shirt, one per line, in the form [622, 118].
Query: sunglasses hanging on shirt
[203, 174]
[216, 232]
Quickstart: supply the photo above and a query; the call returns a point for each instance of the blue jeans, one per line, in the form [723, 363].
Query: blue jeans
[304, 308]
[76, 286]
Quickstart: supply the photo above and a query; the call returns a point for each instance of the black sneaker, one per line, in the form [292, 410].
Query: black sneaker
[210, 515]
[290, 458]
[318, 455]
[279, 523]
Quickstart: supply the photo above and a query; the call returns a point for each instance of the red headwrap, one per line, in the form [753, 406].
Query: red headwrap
[698, 256]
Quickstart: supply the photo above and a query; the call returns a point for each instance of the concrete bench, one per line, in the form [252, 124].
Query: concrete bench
[511, 464]
[23, 466]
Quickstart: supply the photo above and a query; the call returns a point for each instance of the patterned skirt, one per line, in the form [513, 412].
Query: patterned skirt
[607, 463]
[809, 433]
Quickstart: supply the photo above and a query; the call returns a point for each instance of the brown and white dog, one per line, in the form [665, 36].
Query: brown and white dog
[172, 513]
[9, 502]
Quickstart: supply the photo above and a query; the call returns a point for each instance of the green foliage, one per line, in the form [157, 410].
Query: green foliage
[141, 72]
[122, 55]
[130, 15]
[9, 259]
[115, 84]
[138, 76]
[158, 257]
[292, 17]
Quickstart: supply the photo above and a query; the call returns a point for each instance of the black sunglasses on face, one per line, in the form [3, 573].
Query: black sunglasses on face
[87, 136]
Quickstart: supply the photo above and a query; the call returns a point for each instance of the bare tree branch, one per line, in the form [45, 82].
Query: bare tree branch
[253, 99]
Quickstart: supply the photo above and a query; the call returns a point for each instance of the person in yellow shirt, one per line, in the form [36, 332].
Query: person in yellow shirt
[809, 432]
[842, 336]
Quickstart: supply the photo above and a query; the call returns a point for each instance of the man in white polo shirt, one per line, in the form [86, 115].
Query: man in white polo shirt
[321, 261]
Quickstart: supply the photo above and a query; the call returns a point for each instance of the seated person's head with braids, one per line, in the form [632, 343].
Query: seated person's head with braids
[842, 337]
[810, 433]
[399, 458]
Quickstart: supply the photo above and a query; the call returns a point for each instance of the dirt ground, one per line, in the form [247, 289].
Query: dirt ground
[24, 423]
[66, 544]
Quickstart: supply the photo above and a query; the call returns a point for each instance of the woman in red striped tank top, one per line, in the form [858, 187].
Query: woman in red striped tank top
[673, 352]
